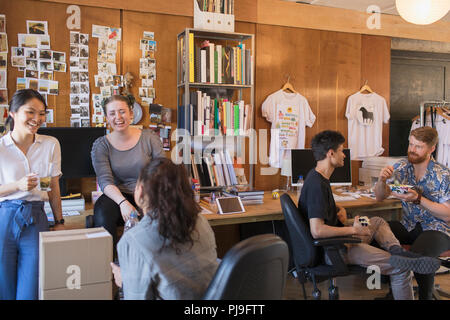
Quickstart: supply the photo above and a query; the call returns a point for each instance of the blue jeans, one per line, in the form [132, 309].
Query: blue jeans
[20, 224]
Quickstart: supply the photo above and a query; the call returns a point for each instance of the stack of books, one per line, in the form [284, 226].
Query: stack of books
[248, 197]
[75, 204]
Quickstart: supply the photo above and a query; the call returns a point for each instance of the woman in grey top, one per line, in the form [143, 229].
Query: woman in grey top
[171, 252]
[117, 159]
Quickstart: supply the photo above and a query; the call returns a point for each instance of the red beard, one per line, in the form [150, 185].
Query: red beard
[415, 159]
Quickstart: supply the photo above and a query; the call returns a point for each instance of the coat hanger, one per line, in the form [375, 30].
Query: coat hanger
[288, 86]
[365, 87]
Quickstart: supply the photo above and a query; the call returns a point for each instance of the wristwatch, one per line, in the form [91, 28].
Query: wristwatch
[59, 221]
[419, 197]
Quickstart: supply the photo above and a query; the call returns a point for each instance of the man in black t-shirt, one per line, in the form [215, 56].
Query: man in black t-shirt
[329, 220]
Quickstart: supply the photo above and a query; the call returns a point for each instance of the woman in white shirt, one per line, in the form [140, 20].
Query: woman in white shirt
[22, 217]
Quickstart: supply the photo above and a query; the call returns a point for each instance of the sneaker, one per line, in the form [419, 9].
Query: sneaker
[422, 265]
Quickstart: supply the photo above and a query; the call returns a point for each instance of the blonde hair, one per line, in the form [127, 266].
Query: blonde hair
[427, 135]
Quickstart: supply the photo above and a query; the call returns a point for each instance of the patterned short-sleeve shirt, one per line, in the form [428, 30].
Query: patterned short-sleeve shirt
[435, 186]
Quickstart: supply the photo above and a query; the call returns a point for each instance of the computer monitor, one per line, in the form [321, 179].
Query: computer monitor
[76, 145]
[303, 161]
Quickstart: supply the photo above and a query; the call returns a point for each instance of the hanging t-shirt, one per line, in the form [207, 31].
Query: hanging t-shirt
[366, 114]
[289, 113]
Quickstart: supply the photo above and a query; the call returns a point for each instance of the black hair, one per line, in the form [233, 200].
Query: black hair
[129, 100]
[322, 142]
[20, 98]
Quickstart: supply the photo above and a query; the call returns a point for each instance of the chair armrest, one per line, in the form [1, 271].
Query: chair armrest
[335, 240]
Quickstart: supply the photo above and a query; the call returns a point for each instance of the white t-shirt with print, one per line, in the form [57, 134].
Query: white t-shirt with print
[366, 114]
[289, 113]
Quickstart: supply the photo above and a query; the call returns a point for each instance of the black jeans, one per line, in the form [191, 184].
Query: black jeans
[429, 243]
[107, 214]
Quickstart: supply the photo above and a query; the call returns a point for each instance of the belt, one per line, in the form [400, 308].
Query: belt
[23, 212]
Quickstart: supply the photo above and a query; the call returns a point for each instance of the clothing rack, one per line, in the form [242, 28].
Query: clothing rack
[436, 104]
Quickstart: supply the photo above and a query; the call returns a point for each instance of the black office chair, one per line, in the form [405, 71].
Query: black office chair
[309, 254]
[253, 269]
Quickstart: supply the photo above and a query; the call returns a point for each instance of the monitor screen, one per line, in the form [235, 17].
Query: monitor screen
[76, 145]
[303, 161]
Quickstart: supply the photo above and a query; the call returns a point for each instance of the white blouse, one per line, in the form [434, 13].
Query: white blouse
[14, 164]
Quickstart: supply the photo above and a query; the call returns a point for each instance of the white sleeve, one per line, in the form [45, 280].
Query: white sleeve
[386, 114]
[348, 110]
[310, 117]
[56, 159]
[267, 108]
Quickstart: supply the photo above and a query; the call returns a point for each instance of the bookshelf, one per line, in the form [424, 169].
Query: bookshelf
[225, 84]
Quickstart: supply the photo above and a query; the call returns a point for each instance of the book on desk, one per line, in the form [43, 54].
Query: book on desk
[69, 207]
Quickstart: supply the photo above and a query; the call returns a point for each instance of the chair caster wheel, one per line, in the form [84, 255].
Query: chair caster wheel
[333, 293]
[317, 294]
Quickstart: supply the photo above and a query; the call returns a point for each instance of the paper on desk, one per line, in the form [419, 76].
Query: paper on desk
[205, 211]
[71, 213]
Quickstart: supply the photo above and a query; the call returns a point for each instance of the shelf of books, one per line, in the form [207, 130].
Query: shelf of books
[215, 95]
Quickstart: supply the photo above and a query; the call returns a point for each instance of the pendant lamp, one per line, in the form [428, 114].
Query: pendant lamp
[422, 12]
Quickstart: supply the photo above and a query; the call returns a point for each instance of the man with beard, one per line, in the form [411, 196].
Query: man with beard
[426, 206]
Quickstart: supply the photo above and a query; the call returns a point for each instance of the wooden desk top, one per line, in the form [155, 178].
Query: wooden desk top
[270, 210]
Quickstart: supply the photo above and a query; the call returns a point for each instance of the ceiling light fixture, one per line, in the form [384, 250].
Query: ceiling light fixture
[422, 11]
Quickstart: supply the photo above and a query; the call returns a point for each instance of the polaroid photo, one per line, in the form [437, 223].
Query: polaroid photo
[102, 56]
[3, 96]
[28, 40]
[102, 44]
[18, 51]
[74, 50]
[31, 53]
[31, 74]
[84, 51]
[151, 93]
[99, 82]
[46, 75]
[3, 42]
[37, 27]
[149, 35]
[59, 66]
[74, 100]
[109, 81]
[3, 78]
[74, 63]
[75, 110]
[43, 86]
[84, 110]
[2, 23]
[99, 31]
[18, 61]
[143, 44]
[84, 99]
[21, 83]
[105, 91]
[111, 57]
[75, 122]
[59, 56]
[148, 54]
[83, 64]
[84, 39]
[74, 88]
[74, 37]
[74, 77]
[84, 88]
[111, 45]
[49, 116]
[117, 80]
[151, 45]
[115, 34]
[85, 123]
[53, 88]
[31, 64]
[4, 60]
[44, 42]
[143, 92]
[33, 84]
[143, 63]
[45, 65]
[45, 54]
[84, 76]
[147, 82]
[102, 68]
[143, 74]
[112, 68]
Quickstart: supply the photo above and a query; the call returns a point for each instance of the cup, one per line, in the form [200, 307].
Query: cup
[44, 171]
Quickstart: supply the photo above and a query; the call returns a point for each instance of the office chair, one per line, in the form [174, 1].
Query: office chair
[253, 269]
[309, 254]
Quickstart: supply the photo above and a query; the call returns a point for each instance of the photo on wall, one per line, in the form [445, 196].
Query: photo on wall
[37, 27]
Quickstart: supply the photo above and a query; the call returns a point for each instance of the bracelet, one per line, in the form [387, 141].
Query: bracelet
[122, 201]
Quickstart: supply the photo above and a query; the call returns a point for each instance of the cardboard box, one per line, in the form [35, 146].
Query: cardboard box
[75, 264]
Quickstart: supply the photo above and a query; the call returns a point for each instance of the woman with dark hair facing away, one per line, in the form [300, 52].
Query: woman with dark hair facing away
[24, 154]
[117, 159]
[171, 253]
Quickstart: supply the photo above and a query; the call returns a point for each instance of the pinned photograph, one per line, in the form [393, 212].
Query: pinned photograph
[151, 45]
[84, 98]
[111, 57]
[3, 96]
[108, 80]
[74, 88]
[33, 84]
[59, 67]
[148, 54]
[102, 44]
[99, 31]
[31, 64]
[74, 37]
[75, 122]
[28, 40]
[151, 93]
[111, 45]
[31, 53]
[45, 65]
[18, 61]
[4, 60]
[85, 123]
[84, 88]
[149, 35]
[102, 56]
[117, 80]
[18, 51]
[142, 92]
[3, 42]
[84, 110]
[74, 100]
[84, 51]
[21, 83]
[74, 51]
[74, 63]
[2, 79]
[31, 74]
[84, 39]
[2, 23]
[44, 42]
[43, 86]
[45, 54]
[147, 82]
[115, 34]
[105, 91]
[74, 77]
[49, 116]
[84, 76]
[37, 27]
[53, 88]
[83, 64]
[59, 56]
[45, 75]
[99, 82]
